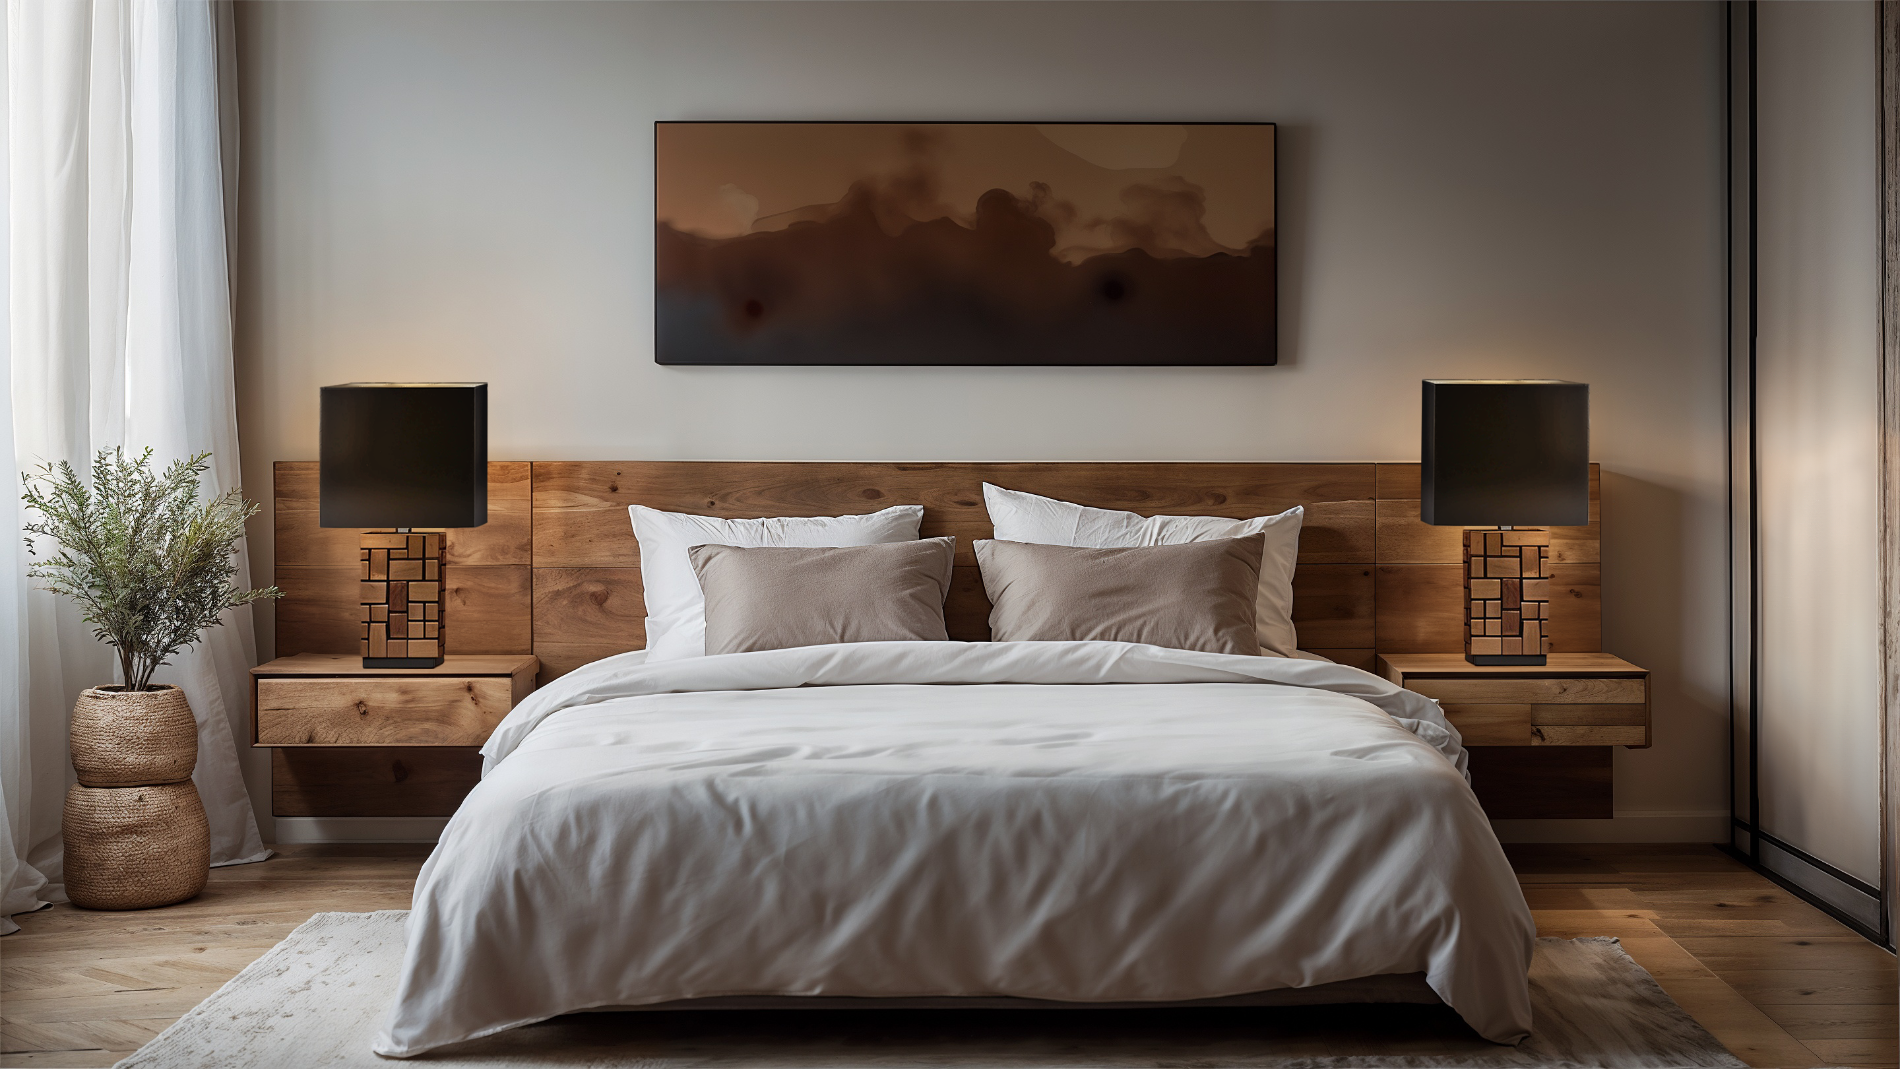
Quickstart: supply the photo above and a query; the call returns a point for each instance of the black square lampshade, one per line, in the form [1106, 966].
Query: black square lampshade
[1505, 453]
[404, 454]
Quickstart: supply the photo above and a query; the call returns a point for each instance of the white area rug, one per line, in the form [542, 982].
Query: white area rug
[315, 1000]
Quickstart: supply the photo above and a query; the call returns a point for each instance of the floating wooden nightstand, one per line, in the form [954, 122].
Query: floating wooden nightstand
[318, 699]
[1539, 736]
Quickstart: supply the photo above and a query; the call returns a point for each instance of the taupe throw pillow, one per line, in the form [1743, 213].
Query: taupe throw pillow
[1192, 596]
[777, 598]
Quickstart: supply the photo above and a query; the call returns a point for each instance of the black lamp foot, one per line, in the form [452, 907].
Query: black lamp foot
[402, 662]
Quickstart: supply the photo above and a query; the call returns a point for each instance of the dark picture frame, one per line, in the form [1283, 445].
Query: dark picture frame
[959, 243]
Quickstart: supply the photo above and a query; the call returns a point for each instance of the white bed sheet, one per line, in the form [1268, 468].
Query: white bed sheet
[1082, 822]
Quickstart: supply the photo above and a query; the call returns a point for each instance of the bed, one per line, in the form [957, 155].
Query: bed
[1072, 822]
[960, 823]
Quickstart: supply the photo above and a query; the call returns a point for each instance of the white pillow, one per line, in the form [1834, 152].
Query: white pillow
[676, 610]
[1021, 517]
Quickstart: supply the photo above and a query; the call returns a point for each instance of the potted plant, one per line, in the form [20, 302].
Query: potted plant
[151, 567]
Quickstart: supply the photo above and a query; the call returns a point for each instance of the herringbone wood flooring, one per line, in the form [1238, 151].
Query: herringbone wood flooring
[1774, 978]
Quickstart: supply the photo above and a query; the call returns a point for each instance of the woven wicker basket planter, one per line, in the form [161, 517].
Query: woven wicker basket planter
[133, 738]
[135, 829]
[135, 847]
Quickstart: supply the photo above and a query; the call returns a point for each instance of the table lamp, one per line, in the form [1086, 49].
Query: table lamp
[1506, 454]
[398, 456]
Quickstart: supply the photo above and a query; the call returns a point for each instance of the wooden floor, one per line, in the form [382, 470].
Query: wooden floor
[1772, 977]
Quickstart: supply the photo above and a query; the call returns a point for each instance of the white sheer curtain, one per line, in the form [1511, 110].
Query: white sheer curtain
[119, 331]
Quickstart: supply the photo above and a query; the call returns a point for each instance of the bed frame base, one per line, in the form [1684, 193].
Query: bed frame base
[1394, 987]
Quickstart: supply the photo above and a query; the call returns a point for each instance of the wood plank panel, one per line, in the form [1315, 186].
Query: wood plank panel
[405, 781]
[488, 609]
[1332, 605]
[318, 611]
[581, 523]
[1364, 660]
[296, 538]
[1403, 538]
[581, 505]
[1419, 608]
[1533, 691]
[508, 536]
[966, 609]
[1589, 735]
[505, 539]
[1395, 481]
[1576, 607]
[414, 711]
[1337, 532]
[1491, 725]
[1592, 725]
[1532, 782]
[584, 614]
[1589, 715]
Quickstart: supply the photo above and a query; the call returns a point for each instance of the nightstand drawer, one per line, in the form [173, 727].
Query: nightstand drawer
[1560, 690]
[349, 741]
[381, 711]
[1514, 724]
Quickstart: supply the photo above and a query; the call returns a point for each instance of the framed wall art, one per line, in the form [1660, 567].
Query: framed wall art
[785, 243]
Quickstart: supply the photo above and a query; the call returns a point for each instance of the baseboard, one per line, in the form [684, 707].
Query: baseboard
[360, 829]
[1852, 901]
[1626, 827]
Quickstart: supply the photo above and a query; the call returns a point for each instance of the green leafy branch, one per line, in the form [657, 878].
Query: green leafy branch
[149, 564]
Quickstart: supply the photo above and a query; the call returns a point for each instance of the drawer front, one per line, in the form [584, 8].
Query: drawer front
[381, 711]
[1523, 724]
[1590, 725]
[1519, 724]
[1534, 691]
[1491, 725]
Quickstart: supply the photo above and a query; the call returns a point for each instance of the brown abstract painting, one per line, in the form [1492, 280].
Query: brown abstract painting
[964, 243]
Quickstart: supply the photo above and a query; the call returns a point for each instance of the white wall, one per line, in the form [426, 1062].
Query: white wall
[462, 191]
[1818, 385]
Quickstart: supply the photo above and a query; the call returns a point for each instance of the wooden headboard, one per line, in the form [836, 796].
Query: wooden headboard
[556, 570]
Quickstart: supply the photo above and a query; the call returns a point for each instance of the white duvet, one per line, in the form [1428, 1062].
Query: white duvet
[1078, 821]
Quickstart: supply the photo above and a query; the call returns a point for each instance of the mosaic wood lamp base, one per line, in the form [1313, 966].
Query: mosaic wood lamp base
[1507, 596]
[402, 599]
